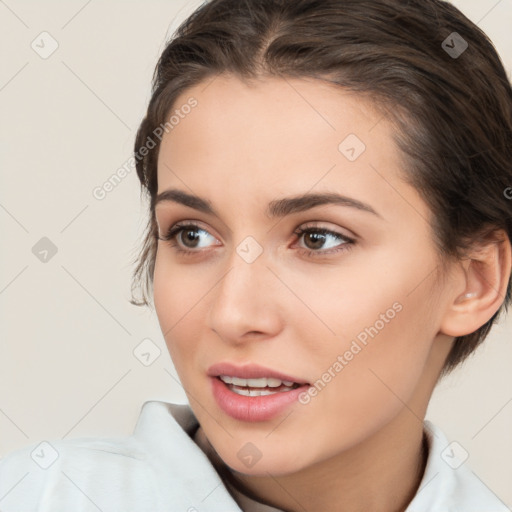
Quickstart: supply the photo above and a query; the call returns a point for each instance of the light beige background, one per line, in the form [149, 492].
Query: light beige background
[68, 331]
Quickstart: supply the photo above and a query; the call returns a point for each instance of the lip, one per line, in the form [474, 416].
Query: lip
[249, 371]
[252, 408]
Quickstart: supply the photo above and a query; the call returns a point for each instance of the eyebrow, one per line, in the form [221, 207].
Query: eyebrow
[276, 208]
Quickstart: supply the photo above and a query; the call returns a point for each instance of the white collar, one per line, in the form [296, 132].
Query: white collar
[446, 486]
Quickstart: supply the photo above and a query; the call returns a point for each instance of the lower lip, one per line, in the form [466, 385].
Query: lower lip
[253, 408]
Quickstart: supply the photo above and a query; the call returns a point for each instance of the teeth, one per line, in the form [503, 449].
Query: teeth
[256, 383]
[253, 392]
[258, 387]
[273, 383]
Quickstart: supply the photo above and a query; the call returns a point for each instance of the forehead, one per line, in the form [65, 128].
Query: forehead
[270, 119]
[278, 136]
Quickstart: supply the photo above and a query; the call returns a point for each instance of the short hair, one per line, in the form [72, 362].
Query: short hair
[433, 72]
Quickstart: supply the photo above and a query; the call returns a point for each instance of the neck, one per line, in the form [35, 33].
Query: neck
[382, 474]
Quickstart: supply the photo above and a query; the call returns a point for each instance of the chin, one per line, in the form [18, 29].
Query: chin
[265, 461]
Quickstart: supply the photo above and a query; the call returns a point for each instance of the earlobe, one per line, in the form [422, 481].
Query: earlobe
[486, 279]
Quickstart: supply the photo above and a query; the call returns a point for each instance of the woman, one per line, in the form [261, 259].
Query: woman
[329, 235]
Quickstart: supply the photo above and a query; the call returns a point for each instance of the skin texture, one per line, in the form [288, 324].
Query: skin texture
[357, 444]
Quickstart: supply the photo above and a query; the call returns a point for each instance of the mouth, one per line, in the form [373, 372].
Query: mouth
[253, 393]
[257, 387]
[252, 375]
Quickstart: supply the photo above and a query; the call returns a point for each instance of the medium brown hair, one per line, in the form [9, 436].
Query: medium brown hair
[452, 113]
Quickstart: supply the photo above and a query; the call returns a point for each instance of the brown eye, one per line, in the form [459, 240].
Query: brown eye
[316, 238]
[188, 237]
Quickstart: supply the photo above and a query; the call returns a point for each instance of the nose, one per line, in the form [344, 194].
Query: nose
[245, 303]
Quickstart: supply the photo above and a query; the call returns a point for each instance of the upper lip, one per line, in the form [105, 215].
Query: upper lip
[250, 371]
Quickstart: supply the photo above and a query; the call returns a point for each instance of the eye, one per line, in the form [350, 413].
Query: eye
[188, 238]
[316, 237]
[188, 235]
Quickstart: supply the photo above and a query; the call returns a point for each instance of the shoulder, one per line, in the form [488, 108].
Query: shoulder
[449, 484]
[157, 468]
[49, 473]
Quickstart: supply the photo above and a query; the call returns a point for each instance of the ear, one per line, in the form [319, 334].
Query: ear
[483, 279]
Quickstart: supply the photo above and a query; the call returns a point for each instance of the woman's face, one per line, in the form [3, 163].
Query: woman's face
[350, 306]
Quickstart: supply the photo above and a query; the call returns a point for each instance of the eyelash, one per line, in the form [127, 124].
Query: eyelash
[175, 230]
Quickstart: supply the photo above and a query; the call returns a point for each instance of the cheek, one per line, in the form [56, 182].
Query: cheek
[178, 297]
[370, 294]
[384, 325]
[383, 357]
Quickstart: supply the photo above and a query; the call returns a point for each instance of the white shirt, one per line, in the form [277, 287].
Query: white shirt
[163, 467]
